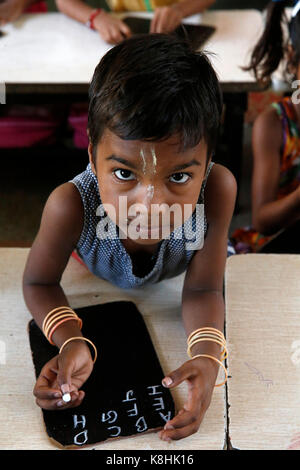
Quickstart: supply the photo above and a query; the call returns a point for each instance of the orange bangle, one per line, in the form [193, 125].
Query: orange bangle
[60, 323]
[208, 330]
[215, 340]
[83, 339]
[52, 312]
[58, 317]
[219, 362]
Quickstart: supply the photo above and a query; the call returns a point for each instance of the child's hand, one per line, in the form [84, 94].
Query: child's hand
[166, 19]
[10, 10]
[201, 374]
[111, 29]
[65, 373]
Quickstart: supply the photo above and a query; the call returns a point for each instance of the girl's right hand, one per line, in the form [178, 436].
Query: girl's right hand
[111, 29]
[64, 373]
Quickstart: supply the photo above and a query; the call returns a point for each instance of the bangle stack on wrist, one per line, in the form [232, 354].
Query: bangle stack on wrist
[57, 317]
[209, 334]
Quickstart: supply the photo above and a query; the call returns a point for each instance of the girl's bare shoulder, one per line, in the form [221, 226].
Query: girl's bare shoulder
[63, 211]
[267, 130]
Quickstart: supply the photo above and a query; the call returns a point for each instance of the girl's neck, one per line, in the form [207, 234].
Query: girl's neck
[132, 247]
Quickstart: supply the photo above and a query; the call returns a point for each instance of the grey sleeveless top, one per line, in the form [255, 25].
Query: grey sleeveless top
[105, 255]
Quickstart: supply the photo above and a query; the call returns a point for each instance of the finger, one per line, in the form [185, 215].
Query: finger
[75, 401]
[55, 404]
[48, 404]
[46, 393]
[187, 370]
[43, 387]
[78, 400]
[64, 375]
[184, 419]
[110, 37]
[154, 21]
[117, 36]
[125, 29]
[162, 22]
[181, 433]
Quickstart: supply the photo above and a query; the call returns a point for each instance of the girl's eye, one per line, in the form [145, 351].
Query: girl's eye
[124, 175]
[180, 178]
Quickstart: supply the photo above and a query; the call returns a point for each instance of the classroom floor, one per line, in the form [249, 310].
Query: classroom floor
[28, 176]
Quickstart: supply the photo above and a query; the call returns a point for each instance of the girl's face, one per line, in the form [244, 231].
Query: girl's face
[140, 181]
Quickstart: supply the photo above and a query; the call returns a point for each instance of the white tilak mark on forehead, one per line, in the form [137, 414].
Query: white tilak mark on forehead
[154, 159]
[144, 160]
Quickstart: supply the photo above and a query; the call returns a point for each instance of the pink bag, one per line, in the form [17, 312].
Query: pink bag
[25, 126]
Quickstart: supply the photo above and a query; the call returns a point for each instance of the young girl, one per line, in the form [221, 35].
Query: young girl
[276, 146]
[154, 116]
[168, 14]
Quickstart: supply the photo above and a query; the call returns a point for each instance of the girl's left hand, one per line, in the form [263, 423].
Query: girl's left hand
[166, 19]
[201, 374]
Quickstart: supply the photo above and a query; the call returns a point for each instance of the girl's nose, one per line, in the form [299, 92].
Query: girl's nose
[149, 195]
[150, 199]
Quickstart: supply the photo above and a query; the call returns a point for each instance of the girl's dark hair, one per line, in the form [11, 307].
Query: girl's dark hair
[271, 47]
[152, 86]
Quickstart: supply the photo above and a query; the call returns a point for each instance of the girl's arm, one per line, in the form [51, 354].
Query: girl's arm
[111, 29]
[76, 9]
[58, 234]
[203, 304]
[270, 215]
[166, 19]
[60, 229]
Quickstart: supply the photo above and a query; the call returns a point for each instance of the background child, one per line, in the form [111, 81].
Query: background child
[276, 145]
[168, 14]
[155, 149]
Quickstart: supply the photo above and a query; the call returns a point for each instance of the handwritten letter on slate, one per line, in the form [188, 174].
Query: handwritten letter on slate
[124, 395]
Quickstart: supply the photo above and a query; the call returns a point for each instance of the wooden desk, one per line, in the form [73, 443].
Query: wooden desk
[51, 52]
[21, 425]
[263, 335]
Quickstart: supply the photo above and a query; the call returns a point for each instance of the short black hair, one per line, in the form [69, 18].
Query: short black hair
[152, 86]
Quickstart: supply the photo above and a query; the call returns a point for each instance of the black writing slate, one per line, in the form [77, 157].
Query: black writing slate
[124, 395]
[195, 34]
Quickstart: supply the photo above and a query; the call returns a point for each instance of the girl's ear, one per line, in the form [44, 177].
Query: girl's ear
[91, 159]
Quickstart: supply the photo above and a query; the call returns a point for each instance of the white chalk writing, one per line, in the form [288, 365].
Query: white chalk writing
[81, 438]
[141, 424]
[110, 416]
[77, 421]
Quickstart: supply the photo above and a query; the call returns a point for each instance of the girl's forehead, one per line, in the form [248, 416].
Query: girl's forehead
[153, 151]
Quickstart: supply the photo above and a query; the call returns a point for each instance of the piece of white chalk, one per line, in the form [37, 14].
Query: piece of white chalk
[66, 397]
